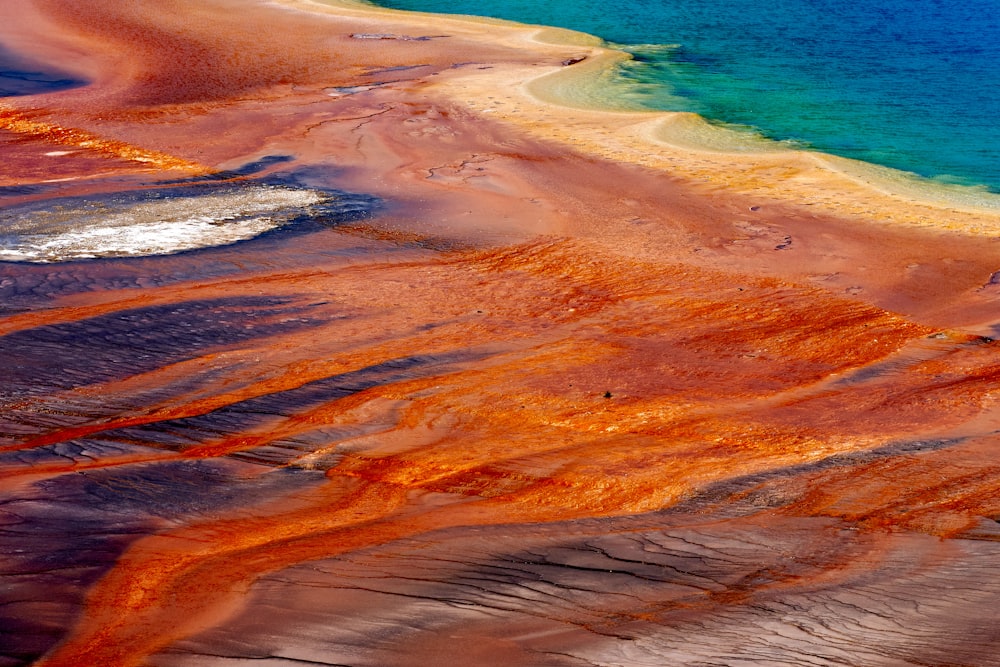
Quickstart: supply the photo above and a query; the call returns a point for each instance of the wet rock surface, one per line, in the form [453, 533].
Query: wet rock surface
[473, 396]
[161, 221]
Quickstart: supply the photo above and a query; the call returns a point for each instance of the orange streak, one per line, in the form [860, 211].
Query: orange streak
[18, 122]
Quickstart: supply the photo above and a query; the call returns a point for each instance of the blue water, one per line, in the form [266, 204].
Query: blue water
[910, 84]
[20, 76]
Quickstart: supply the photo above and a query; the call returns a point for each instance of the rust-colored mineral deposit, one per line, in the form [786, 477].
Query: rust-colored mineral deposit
[328, 338]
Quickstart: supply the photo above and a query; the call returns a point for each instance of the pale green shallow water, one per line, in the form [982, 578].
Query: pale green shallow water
[910, 85]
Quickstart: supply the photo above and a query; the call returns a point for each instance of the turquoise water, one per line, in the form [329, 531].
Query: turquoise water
[913, 84]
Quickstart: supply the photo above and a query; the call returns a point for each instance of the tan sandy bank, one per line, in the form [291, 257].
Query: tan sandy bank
[559, 102]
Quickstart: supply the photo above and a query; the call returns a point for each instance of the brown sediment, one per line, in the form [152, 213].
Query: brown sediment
[569, 395]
